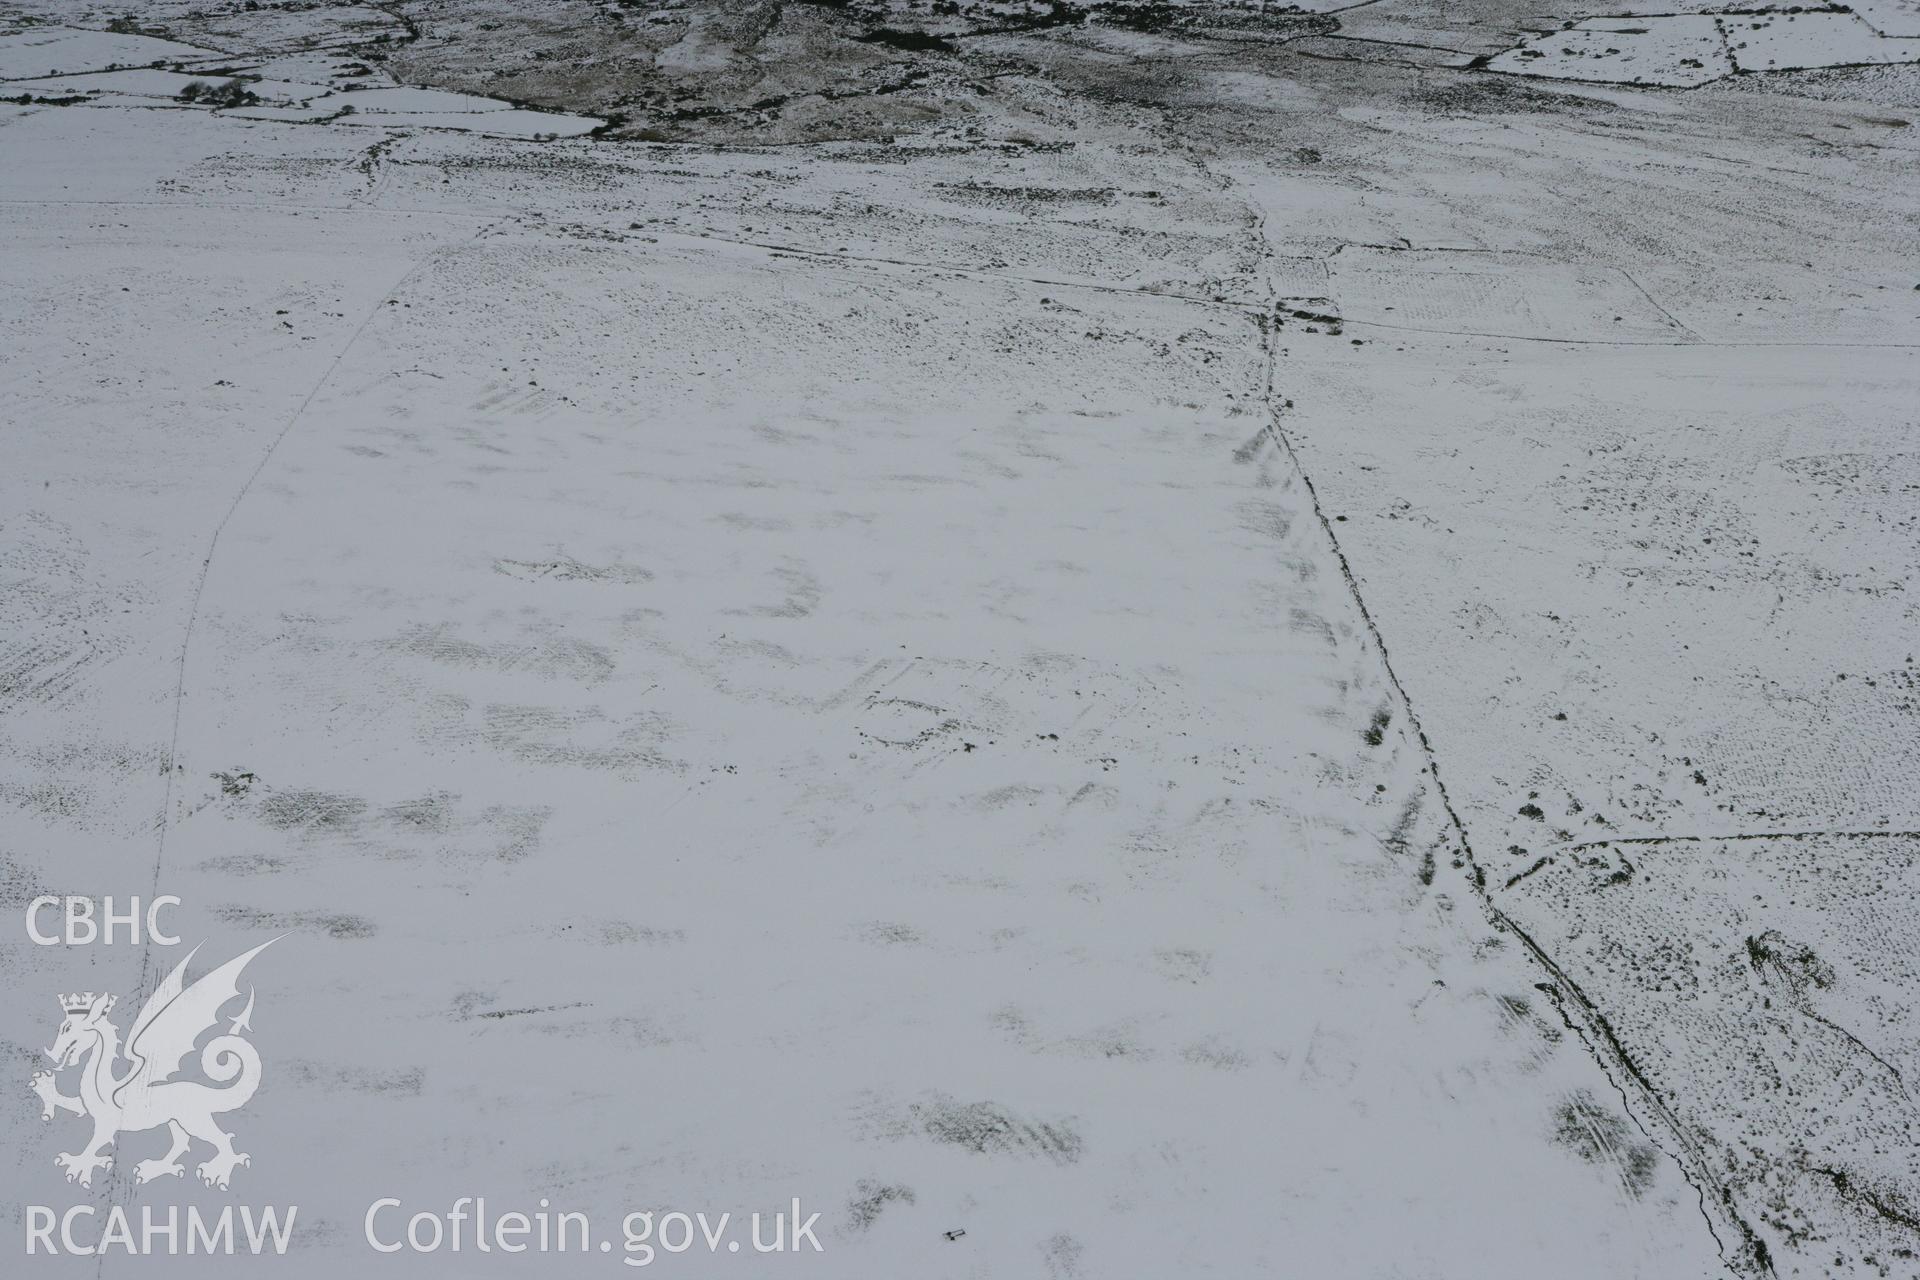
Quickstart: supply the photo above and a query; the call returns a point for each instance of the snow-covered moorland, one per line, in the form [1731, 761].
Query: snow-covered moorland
[1103, 641]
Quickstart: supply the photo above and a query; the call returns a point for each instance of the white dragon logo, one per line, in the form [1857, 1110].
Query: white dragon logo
[145, 1097]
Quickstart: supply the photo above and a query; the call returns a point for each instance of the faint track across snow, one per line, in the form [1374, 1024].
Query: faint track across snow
[213, 545]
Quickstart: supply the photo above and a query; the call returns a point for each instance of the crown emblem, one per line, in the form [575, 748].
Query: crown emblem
[80, 1002]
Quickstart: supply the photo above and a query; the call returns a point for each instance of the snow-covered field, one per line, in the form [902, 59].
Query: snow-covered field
[1141, 641]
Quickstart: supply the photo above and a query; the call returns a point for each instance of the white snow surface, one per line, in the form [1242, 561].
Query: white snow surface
[918, 675]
